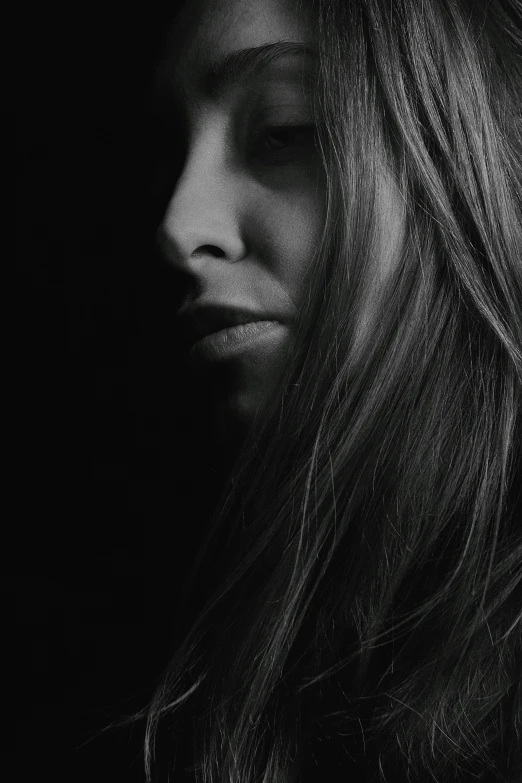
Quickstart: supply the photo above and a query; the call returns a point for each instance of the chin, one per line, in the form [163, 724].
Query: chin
[239, 392]
[242, 407]
[234, 413]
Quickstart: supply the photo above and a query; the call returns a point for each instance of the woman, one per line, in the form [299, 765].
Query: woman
[347, 219]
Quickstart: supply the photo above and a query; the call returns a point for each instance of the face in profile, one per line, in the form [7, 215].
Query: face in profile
[247, 211]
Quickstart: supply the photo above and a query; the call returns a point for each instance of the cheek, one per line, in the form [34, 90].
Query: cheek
[295, 230]
[299, 233]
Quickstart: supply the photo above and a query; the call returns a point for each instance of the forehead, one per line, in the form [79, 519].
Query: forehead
[207, 30]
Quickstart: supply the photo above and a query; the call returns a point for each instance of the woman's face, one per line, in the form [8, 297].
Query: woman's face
[247, 211]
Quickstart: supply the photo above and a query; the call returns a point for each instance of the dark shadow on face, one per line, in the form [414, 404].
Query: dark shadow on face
[246, 210]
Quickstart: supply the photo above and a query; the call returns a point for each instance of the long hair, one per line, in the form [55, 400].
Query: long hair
[360, 585]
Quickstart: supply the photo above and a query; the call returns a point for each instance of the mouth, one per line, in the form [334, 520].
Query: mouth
[215, 332]
[203, 320]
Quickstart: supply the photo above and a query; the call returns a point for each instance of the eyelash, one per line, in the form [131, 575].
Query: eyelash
[292, 151]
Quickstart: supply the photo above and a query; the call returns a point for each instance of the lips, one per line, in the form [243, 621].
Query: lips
[198, 321]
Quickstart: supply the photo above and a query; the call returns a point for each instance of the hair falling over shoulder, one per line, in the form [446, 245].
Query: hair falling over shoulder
[368, 595]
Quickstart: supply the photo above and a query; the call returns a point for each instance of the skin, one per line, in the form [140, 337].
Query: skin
[246, 215]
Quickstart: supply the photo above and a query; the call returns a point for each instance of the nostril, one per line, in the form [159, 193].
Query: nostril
[204, 250]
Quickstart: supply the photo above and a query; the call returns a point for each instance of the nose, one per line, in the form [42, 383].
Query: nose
[203, 216]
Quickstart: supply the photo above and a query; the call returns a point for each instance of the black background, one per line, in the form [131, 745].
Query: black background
[104, 518]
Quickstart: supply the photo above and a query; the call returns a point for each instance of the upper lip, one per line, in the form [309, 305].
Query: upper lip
[199, 320]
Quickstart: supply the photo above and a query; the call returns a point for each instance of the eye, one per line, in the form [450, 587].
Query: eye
[283, 144]
[278, 138]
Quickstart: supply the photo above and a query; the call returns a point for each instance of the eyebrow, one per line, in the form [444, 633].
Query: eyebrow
[239, 65]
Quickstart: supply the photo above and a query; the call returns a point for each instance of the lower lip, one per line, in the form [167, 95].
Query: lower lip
[233, 340]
